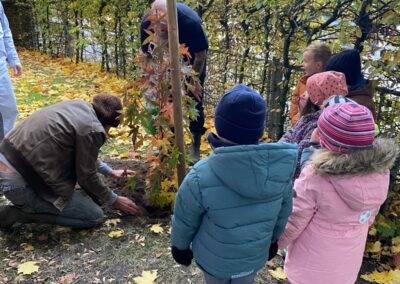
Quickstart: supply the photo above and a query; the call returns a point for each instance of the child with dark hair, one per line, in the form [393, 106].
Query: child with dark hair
[360, 90]
[338, 195]
[233, 205]
[320, 87]
[314, 140]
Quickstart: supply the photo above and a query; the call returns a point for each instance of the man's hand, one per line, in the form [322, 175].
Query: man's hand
[18, 70]
[121, 173]
[126, 205]
[198, 91]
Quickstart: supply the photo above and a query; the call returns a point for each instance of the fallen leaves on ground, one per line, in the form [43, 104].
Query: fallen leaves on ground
[373, 247]
[278, 273]
[27, 268]
[27, 247]
[147, 277]
[112, 222]
[67, 278]
[63, 230]
[116, 233]
[47, 80]
[385, 277]
[156, 228]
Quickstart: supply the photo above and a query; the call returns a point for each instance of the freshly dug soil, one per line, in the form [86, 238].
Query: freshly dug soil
[138, 195]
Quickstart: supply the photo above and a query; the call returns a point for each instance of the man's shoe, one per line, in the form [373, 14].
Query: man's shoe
[9, 215]
[7, 219]
[194, 151]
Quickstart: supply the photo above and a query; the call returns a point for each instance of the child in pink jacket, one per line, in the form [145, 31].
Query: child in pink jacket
[338, 195]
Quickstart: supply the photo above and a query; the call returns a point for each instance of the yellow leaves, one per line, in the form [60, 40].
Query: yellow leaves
[372, 231]
[113, 153]
[385, 277]
[156, 228]
[53, 92]
[277, 273]
[124, 155]
[116, 234]
[112, 222]
[147, 277]
[395, 245]
[168, 183]
[48, 80]
[27, 247]
[374, 247]
[63, 230]
[27, 268]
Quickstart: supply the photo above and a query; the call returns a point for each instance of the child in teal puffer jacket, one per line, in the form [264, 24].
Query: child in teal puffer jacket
[235, 203]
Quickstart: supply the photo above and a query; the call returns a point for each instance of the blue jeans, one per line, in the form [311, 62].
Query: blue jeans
[80, 212]
[249, 279]
[8, 103]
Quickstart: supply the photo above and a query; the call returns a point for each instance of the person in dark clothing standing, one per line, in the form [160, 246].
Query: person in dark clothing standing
[191, 34]
[360, 89]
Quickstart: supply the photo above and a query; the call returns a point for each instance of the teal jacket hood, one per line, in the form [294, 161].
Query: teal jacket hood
[255, 167]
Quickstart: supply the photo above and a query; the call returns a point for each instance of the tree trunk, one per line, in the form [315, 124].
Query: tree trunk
[245, 27]
[21, 20]
[117, 38]
[68, 50]
[225, 25]
[273, 100]
[47, 35]
[82, 48]
[267, 47]
[103, 38]
[77, 34]
[364, 23]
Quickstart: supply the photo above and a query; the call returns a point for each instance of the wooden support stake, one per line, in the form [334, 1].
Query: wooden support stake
[173, 40]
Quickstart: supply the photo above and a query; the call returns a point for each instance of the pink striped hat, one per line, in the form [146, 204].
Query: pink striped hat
[346, 126]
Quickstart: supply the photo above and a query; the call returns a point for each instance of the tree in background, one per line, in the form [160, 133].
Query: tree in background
[258, 43]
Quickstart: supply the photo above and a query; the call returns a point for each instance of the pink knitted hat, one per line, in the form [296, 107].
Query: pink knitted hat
[346, 126]
[323, 85]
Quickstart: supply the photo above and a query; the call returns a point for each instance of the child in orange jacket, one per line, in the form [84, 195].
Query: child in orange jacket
[315, 57]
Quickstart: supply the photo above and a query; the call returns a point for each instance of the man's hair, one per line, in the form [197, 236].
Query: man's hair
[108, 109]
[320, 51]
[160, 5]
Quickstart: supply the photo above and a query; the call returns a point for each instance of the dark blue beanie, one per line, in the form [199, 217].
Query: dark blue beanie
[347, 62]
[240, 115]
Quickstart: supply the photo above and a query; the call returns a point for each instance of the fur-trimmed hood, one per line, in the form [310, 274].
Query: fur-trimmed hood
[376, 159]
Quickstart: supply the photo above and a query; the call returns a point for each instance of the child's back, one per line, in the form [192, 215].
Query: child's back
[338, 196]
[239, 191]
[234, 203]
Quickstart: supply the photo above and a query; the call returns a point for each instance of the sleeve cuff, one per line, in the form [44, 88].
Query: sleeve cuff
[13, 62]
[104, 169]
[113, 198]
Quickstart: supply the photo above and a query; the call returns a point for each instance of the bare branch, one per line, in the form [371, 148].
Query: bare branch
[388, 91]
